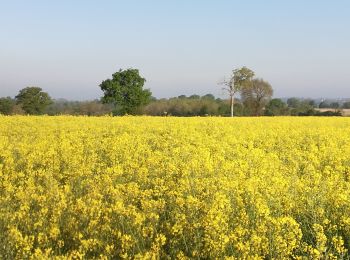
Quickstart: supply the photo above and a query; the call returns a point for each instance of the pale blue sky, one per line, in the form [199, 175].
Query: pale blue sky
[181, 47]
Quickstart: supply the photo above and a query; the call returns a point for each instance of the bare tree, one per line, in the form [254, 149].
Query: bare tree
[239, 78]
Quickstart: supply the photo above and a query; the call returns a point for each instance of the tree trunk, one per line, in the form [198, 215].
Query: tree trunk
[231, 101]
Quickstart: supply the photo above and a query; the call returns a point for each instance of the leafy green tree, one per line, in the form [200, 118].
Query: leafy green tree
[240, 78]
[256, 95]
[276, 107]
[33, 100]
[6, 105]
[125, 90]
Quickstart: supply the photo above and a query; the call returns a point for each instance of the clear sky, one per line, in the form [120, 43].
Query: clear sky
[66, 47]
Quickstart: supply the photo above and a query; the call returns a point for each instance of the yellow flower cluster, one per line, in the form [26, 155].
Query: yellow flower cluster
[174, 188]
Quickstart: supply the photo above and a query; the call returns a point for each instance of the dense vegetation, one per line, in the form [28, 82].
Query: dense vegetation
[193, 105]
[167, 188]
[124, 94]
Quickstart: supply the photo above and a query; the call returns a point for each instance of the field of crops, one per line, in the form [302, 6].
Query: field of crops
[204, 188]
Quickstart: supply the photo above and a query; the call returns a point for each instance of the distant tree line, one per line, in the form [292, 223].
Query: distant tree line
[193, 105]
[124, 94]
[209, 105]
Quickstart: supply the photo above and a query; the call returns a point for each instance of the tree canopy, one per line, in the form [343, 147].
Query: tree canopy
[240, 78]
[346, 105]
[6, 105]
[33, 100]
[256, 95]
[125, 90]
[276, 107]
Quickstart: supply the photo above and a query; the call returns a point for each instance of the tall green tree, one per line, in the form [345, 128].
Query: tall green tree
[239, 78]
[6, 105]
[33, 100]
[125, 90]
[256, 95]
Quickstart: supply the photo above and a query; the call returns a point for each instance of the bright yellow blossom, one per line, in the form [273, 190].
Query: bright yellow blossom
[174, 188]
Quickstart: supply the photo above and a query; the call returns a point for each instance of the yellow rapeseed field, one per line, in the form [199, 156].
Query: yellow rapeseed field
[174, 188]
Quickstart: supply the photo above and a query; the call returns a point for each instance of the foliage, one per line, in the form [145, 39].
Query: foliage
[239, 79]
[311, 102]
[33, 100]
[182, 107]
[335, 105]
[6, 105]
[125, 91]
[186, 106]
[194, 96]
[276, 107]
[346, 105]
[293, 102]
[174, 188]
[87, 108]
[256, 96]
[324, 104]
[207, 105]
[302, 107]
[209, 97]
